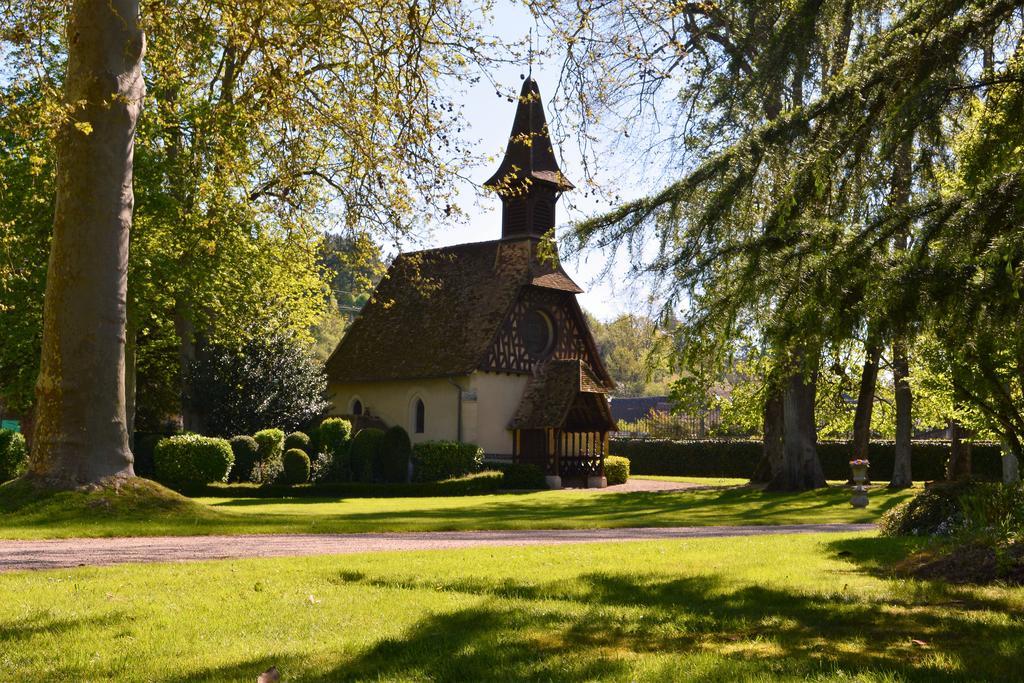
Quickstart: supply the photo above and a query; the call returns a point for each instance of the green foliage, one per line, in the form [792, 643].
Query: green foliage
[522, 476]
[739, 458]
[993, 514]
[364, 452]
[634, 352]
[320, 468]
[394, 456]
[437, 460]
[975, 513]
[334, 434]
[187, 461]
[296, 466]
[247, 454]
[616, 470]
[13, 454]
[269, 379]
[270, 446]
[334, 443]
[298, 440]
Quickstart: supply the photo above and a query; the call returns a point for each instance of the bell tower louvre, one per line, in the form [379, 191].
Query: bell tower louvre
[528, 180]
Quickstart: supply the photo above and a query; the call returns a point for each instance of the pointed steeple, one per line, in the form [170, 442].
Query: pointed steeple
[529, 181]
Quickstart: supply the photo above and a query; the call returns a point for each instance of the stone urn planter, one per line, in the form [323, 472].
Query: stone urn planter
[860, 475]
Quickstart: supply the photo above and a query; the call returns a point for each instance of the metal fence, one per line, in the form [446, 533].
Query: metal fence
[662, 425]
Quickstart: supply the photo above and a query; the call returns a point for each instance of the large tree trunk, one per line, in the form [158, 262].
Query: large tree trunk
[901, 472]
[801, 469]
[959, 465]
[1011, 461]
[80, 434]
[774, 428]
[191, 419]
[865, 401]
[130, 377]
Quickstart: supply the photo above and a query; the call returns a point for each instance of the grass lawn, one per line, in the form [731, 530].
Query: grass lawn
[693, 610]
[73, 514]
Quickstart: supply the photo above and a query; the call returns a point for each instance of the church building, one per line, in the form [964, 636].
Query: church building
[485, 342]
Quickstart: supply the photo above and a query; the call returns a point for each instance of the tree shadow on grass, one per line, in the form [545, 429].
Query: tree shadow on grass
[629, 626]
[722, 506]
[878, 557]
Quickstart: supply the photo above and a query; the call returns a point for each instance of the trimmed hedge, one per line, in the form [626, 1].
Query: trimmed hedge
[616, 470]
[394, 456]
[334, 440]
[298, 440]
[470, 485]
[247, 454]
[187, 461]
[437, 460]
[739, 457]
[522, 476]
[296, 466]
[271, 447]
[364, 452]
[13, 454]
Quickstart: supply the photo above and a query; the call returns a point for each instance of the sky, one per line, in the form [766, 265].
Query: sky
[490, 120]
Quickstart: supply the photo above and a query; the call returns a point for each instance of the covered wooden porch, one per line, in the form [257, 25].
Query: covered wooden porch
[562, 424]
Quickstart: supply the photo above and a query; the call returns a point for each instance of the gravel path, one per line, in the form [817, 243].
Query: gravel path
[77, 552]
[633, 484]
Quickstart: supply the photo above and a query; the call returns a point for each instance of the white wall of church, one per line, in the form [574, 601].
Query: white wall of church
[395, 403]
[497, 399]
[489, 401]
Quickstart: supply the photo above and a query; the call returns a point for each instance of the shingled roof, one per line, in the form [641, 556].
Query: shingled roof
[550, 394]
[436, 312]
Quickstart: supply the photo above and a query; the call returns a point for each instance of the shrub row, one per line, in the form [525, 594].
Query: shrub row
[480, 482]
[522, 476]
[437, 460]
[13, 454]
[738, 458]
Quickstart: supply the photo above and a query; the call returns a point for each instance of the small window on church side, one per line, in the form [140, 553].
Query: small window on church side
[357, 407]
[421, 417]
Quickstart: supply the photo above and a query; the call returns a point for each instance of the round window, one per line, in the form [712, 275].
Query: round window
[538, 333]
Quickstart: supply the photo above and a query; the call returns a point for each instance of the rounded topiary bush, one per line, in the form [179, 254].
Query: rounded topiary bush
[270, 443]
[247, 454]
[523, 476]
[364, 452]
[298, 440]
[616, 470]
[188, 461]
[394, 455]
[296, 466]
[13, 454]
[334, 435]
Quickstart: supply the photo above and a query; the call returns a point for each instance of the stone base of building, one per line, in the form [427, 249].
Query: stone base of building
[597, 482]
[553, 481]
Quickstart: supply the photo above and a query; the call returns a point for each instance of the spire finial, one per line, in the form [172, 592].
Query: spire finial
[529, 63]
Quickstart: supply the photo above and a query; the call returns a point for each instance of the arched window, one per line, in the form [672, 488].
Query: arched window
[420, 417]
[357, 407]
